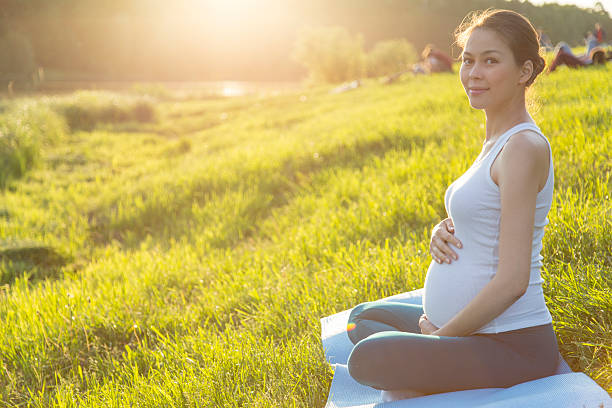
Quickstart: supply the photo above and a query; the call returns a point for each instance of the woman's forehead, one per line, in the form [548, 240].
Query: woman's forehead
[485, 41]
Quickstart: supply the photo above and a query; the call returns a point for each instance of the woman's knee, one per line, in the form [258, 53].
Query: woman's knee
[354, 320]
[363, 362]
[357, 310]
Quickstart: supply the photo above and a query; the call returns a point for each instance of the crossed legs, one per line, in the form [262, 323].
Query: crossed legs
[391, 354]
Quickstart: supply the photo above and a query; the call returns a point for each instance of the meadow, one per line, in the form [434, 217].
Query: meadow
[180, 251]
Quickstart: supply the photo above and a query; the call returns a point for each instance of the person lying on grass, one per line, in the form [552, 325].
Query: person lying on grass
[484, 322]
[594, 55]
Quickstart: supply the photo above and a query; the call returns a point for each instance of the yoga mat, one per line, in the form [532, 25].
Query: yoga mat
[565, 389]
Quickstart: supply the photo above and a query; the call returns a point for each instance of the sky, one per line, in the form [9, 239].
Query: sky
[580, 3]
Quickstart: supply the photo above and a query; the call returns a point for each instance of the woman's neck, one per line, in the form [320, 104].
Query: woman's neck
[510, 114]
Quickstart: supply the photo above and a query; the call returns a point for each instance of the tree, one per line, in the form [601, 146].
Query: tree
[600, 9]
[390, 56]
[331, 54]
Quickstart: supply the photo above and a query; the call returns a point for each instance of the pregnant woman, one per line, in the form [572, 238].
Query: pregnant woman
[484, 322]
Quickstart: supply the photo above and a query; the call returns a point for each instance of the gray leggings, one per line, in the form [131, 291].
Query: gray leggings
[391, 354]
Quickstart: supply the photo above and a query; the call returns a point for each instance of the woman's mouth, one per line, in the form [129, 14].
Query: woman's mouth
[477, 91]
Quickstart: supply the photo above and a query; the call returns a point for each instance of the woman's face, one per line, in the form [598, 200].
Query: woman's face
[489, 74]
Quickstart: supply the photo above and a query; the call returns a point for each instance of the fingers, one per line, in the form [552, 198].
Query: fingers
[438, 255]
[422, 323]
[450, 226]
[443, 235]
[446, 236]
[426, 326]
[441, 251]
[450, 237]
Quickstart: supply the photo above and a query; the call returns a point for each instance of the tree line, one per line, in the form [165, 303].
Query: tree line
[187, 40]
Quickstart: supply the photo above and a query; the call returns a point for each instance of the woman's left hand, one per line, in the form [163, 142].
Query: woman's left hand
[426, 326]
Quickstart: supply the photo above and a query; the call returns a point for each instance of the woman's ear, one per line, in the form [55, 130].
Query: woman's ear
[526, 72]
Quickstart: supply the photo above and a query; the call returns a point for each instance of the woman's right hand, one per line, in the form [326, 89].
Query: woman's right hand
[442, 235]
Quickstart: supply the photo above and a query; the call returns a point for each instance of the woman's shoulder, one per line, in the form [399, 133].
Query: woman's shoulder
[527, 151]
[527, 143]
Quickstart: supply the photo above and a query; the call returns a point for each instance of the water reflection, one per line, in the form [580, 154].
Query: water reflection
[203, 88]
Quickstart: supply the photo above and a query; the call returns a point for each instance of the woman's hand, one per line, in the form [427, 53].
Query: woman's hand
[442, 235]
[426, 326]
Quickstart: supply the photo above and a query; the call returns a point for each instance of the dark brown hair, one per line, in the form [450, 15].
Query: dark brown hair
[514, 29]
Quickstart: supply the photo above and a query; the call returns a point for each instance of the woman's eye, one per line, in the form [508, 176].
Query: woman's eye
[490, 60]
[467, 61]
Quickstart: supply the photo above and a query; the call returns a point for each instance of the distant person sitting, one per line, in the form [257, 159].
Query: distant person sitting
[544, 40]
[433, 60]
[600, 34]
[436, 60]
[564, 56]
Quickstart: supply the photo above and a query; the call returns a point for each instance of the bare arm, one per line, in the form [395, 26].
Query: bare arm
[522, 162]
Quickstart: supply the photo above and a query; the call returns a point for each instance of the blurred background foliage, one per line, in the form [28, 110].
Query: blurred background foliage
[390, 56]
[213, 40]
[331, 54]
[24, 129]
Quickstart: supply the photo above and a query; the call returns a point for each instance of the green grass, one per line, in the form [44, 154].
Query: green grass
[187, 261]
[83, 110]
[24, 130]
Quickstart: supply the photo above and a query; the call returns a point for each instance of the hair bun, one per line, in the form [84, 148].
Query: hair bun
[538, 67]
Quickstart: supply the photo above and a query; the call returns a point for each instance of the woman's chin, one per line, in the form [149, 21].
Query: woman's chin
[476, 105]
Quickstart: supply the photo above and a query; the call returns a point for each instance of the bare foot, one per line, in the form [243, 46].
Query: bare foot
[396, 395]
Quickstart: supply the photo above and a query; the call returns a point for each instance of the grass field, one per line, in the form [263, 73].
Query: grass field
[185, 261]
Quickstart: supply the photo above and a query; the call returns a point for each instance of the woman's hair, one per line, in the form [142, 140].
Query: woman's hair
[513, 28]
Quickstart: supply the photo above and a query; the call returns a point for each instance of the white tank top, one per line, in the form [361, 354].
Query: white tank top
[473, 203]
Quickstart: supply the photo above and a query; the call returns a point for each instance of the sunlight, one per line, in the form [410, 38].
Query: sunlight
[232, 89]
[231, 8]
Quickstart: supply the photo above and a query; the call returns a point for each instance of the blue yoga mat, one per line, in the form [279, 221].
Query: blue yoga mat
[565, 389]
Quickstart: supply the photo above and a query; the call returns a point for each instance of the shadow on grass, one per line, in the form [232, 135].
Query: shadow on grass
[38, 262]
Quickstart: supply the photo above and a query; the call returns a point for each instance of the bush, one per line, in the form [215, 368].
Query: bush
[85, 109]
[391, 56]
[157, 91]
[331, 54]
[23, 131]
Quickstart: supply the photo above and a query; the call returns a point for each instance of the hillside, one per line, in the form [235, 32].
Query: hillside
[186, 261]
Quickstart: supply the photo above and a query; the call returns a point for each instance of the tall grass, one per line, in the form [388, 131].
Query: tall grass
[197, 276]
[84, 110]
[24, 129]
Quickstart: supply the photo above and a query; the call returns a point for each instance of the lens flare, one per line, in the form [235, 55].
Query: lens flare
[350, 326]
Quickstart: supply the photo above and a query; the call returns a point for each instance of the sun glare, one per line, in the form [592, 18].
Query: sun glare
[230, 88]
[231, 8]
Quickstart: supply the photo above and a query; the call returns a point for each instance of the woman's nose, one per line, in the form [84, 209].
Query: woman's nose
[475, 71]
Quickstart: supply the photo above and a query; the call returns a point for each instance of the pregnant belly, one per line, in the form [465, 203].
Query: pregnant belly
[450, 287]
